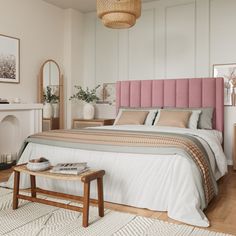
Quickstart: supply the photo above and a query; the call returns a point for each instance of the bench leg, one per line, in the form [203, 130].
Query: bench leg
[86, 204]
[33, 185]
[16, 189]
[100, 197]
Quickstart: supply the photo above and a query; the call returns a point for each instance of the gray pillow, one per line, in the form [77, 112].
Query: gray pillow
[205, 118]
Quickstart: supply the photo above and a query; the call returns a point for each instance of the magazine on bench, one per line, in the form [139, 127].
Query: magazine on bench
[70, 168]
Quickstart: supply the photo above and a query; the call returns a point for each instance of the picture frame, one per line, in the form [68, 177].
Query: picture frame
[228, 72]
[9, 59]
[107, 94]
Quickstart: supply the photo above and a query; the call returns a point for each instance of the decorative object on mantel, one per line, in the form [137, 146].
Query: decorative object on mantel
[89, 97]
[10, 101]
[16, 100]
[9, 59]
[4, 101]
[49, 99]
[119, 14]
[228, 72]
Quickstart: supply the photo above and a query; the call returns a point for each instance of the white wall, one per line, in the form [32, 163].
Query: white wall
[222, 50]
[40, 28]
[172, 39]
[73, 61]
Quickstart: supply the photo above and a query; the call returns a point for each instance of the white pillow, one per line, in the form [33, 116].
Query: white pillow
[150, 117]
[193, 120]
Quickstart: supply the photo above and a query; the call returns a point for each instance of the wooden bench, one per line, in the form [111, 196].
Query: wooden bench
[85, 178]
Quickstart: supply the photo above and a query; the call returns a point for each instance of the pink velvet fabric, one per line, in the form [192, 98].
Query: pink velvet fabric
[182, 93]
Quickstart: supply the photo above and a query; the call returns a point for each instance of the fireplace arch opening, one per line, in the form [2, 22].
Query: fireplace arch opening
[9, 138]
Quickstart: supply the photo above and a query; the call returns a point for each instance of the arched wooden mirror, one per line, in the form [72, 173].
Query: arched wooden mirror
[50, 93]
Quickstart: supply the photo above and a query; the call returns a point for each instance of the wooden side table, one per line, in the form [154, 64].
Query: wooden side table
[85, 178]
[50, 124]
[81, 123]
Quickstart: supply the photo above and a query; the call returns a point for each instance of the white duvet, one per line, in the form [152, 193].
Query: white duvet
[157, 182]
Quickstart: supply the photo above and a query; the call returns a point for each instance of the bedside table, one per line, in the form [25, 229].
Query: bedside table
[50, 124]
[81, 123]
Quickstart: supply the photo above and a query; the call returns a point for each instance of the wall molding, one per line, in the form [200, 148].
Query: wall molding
[122, 47]
[187, 2]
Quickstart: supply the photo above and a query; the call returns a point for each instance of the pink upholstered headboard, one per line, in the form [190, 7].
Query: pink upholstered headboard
[182, 93]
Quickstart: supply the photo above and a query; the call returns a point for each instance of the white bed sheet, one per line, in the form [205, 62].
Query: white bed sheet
[157, 182]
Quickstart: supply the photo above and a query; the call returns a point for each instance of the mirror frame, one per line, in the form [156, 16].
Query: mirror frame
[61, 91]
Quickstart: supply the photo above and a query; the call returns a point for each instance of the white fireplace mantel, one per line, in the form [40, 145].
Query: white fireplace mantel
[21, 106]
[17, 122]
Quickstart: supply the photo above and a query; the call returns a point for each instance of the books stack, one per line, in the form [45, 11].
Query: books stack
[4, 101]
[70, 168]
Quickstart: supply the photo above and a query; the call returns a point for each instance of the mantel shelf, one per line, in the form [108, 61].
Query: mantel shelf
[21, 106]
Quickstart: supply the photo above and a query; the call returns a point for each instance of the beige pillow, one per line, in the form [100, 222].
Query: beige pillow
[132, 118]
[174, 118]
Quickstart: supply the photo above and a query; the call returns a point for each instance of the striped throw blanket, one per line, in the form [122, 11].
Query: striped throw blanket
[135, 142]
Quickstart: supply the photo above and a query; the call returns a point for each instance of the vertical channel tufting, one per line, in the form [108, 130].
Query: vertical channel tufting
[182, 94]
[170, 93]
[158, 93]
[209, 95]
[209, 92]
[135, 93]
[219, 121]
[125, 94]
[195, 93]
[146, 93]
[118, 91]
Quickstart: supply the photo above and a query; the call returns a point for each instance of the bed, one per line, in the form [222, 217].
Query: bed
[147, 179]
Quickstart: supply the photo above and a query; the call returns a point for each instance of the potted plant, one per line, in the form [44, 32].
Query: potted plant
[89, 97]
[49, 98]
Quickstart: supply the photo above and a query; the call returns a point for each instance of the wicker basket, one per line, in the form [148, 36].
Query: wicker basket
[119, 14]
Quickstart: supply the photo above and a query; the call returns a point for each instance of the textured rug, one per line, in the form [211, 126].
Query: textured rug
[33, 219]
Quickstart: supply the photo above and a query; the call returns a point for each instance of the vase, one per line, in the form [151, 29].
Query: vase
[88, 111]
[47, 110]
[55, 108]
[233, 97]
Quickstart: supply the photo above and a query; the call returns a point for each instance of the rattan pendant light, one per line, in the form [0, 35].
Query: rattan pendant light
[118, 14]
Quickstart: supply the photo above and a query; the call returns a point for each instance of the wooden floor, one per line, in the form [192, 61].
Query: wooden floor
[4, 175]
[221, 212]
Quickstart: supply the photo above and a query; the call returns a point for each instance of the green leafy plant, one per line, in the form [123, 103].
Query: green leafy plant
[49, 97]
[87, 95]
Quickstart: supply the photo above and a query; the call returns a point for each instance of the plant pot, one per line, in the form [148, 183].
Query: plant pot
[47, 110]
[88, 111]
[55, 108]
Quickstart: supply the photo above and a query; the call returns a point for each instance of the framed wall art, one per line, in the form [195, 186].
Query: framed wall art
[9, 59]
[108, 94]
[228, 72]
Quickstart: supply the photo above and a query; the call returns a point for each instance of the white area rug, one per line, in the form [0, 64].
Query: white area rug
[33, 219]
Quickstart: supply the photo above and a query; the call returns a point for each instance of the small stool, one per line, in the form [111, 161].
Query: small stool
[85, 178]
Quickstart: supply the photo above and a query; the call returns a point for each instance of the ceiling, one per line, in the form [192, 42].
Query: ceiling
[81, 5]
